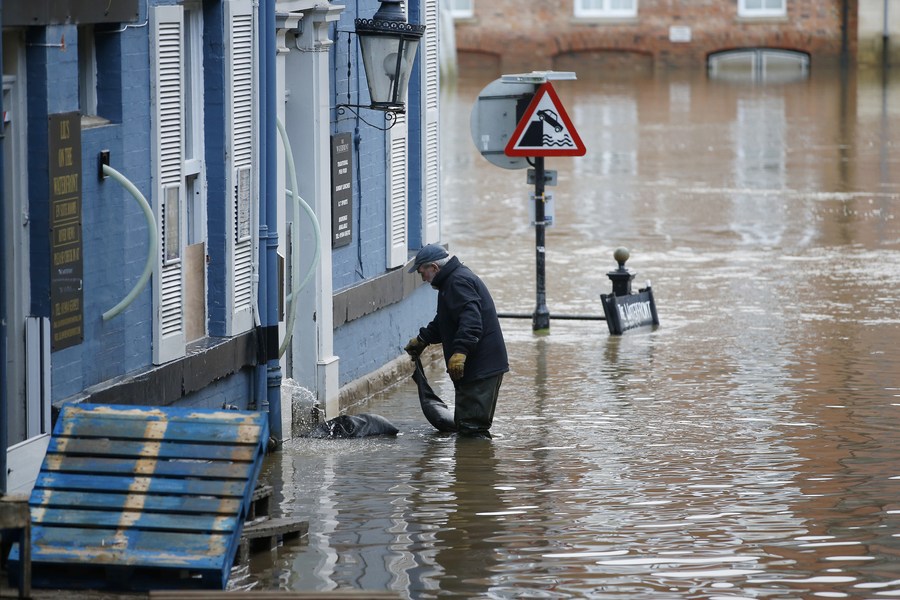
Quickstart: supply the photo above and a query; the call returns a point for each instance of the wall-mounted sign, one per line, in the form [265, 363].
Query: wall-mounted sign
[679, 34]
[341, 190]
[66, 264]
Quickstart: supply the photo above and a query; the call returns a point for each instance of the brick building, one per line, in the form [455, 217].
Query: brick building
[515, 36]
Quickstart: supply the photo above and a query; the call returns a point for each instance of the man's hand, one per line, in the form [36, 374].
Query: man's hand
[415, 347]
[456, 366]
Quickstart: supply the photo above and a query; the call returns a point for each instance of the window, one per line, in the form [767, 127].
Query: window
[194, 175]
[87, 71]
[762, 8]
[462, 9]
[606, 8]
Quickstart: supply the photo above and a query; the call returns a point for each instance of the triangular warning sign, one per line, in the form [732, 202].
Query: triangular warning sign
[545, 129]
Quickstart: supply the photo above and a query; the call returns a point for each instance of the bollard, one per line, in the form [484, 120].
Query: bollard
[623, 308]
[621, 277]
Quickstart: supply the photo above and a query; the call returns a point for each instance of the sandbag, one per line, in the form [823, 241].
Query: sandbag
[353, 426]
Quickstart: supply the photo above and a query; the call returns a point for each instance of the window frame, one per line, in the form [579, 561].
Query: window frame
[462, 9]
[87, 71]
[606, 12]
[756, 13]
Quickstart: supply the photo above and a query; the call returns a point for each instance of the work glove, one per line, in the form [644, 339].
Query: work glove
[415, 347]
[456, 366]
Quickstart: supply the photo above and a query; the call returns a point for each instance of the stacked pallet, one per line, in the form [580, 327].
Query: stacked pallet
[144, 497]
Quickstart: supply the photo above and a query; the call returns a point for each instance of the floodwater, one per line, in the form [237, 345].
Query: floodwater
[748, 447]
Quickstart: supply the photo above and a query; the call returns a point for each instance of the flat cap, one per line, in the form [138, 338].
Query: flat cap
[428, 254]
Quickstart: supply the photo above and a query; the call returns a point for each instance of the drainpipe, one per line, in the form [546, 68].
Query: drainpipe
[4, 417]
[268, 289]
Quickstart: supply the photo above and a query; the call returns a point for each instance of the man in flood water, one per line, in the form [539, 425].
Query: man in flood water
[467, 327]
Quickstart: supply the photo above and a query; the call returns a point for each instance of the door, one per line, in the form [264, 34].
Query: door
[27, 382]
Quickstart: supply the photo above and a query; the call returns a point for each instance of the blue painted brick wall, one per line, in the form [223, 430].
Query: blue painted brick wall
[236, 390]
[370, 342]
[114, 229]
[217, 215]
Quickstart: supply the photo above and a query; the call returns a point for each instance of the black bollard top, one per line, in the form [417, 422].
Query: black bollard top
[621, 278]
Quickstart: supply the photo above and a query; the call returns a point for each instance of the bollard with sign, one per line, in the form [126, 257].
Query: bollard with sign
[623, 308]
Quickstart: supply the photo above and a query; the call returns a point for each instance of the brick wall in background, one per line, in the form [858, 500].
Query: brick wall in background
[524, 36]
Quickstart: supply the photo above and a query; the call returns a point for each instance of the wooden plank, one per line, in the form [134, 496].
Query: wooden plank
[185, 467]
[155, 413]
[16, 520]
[160, 430]
[146, 521]
[152, 502]
[13, 512]
[162, 449]
[156, 485]
[113, 417]
[129, 547]
[277, 527]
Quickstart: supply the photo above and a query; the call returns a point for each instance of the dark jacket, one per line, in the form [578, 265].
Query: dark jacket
[466, 321]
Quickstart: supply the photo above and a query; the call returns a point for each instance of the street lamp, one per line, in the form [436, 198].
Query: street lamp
[388, 45]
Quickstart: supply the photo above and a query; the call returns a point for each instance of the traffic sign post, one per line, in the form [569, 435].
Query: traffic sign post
[540, 319]
[542, 129]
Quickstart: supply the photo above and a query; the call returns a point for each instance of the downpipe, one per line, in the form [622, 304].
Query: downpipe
[269, 367]
[4, 424]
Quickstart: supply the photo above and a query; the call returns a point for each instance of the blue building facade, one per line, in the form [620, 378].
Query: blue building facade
[153, 239]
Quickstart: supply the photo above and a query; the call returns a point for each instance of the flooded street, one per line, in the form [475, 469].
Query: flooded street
[746, 448]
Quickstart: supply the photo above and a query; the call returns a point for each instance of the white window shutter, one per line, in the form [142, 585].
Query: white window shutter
[431, 160]
[242, 168]
[396, 193]
[167, 114]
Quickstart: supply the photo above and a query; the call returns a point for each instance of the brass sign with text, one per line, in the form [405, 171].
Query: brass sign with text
[66, 264]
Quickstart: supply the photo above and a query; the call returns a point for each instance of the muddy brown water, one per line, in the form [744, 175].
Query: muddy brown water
[746, 448]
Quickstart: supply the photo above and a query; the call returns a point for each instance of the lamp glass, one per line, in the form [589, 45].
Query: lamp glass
[388, 51]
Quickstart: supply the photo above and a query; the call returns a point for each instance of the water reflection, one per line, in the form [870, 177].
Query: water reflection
[744, 449]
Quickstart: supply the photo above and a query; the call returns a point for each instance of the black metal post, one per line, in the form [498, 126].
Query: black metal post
[540, 320]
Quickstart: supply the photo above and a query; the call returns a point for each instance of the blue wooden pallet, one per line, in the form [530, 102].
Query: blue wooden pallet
[138, 498]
